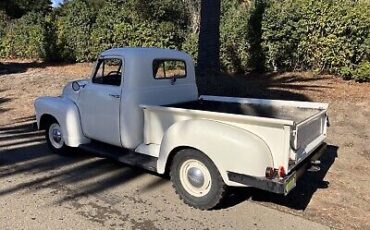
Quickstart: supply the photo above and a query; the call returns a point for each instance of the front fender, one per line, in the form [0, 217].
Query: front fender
[66, 113]
[230, 148]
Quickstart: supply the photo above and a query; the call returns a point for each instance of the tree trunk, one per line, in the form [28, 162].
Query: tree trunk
[193, 6]
[209, 36]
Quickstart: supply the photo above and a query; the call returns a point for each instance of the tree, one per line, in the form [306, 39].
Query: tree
[18, 8]
[209, 36]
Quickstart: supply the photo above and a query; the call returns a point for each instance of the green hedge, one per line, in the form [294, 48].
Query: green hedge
[116, 26]
[324, 36]
[3, 24]
[235, 46]
[26, 37]
[84, 31]
[331, 35]
[74, 22]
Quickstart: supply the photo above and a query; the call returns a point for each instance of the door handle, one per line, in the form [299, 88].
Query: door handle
[115, 95]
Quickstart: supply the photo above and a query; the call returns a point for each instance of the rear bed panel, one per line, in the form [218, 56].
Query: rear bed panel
[292, 130]
[275, 132]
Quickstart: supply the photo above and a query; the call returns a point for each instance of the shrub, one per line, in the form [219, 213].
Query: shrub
[117, 26]
[3, 23]
[316, 35]
[346, 72]
[83, 30]
[109, 19]
[362, 72]
[26, 37]
[190, 45]
[234, 48]
[74, 22]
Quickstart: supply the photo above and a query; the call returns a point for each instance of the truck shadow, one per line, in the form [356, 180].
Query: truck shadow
[23, 151]
[21, 142]
[298, 198]
[3, 100]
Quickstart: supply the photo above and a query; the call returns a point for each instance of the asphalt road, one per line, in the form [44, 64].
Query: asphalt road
[40, 190]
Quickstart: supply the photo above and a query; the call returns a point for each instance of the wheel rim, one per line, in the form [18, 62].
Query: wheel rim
[195, 178]
[55, 136]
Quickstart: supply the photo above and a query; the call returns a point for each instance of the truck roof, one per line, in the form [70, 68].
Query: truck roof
[145, 52]
[138, 64]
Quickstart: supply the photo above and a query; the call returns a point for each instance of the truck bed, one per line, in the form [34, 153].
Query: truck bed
[296, 114]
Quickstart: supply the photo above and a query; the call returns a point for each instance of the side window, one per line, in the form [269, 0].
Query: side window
[167, 69]
[108, 72]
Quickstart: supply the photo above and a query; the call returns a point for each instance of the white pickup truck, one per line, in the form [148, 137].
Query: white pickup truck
[141, 106]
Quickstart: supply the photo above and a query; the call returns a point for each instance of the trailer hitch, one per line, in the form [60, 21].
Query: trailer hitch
[314, 166]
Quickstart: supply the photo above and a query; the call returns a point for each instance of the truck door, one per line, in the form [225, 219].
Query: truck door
[99, 102]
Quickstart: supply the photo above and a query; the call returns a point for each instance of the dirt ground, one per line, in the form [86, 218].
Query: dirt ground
[338, 196]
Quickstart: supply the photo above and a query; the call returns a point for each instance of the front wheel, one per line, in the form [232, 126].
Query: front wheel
[196, 179]
[54, 138]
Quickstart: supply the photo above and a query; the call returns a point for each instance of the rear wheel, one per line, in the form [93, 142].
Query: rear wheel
[196, 179]
[54, 138]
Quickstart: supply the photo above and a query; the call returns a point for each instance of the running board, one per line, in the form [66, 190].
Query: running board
[123, 155]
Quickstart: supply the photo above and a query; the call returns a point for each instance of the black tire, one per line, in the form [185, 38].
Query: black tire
[217, 188]
[63, 150]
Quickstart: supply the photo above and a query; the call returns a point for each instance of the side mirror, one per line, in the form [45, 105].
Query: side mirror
[76, 86]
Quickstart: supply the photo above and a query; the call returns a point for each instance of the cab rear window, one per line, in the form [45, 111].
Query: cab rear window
[167, 69]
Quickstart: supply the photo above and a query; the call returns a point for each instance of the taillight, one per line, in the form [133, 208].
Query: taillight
[281, 171]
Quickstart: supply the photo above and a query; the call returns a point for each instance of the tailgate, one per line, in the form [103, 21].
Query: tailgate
[309, 134]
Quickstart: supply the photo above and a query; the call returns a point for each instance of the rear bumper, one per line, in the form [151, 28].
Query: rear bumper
[280, 186]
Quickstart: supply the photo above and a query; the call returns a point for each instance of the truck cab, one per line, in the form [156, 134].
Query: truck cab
[110, 101]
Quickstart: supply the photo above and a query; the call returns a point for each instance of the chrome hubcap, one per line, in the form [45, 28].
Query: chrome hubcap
[56, 136]
[195, 177]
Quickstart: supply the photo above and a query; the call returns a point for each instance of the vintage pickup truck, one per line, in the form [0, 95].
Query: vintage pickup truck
[141, 106]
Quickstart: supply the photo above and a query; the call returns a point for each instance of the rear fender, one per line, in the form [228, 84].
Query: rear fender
[230, 148]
